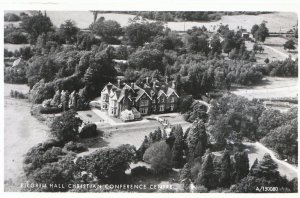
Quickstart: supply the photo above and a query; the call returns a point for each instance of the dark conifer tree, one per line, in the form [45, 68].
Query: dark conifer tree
[185, 177]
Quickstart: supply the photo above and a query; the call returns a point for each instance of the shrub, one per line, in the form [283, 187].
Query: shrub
[140, 171]
[16, 38]
[50, 110]
[89, 130]
[75, 147]
[159, 156]
[11, 17]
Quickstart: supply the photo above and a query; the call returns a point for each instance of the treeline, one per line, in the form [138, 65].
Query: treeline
[167, 16]
[191, 151]
[66, 59]
[233, 119]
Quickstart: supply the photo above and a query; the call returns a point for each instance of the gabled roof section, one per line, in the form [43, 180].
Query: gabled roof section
[160, 93]
[140, 93]
[170, 91]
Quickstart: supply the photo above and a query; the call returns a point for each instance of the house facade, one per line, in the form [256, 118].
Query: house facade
[147, 98]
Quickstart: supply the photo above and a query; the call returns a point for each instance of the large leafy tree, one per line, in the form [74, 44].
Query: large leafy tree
[107, 29]
[137, 34]
[36, 25]
[148, 59]
[261, 33]
[66, 127]
[69, 30]
[108, 164]
[159, 156]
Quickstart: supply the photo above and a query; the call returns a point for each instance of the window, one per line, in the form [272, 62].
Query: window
[105, 97]
[144, 103]
[162, 100]
[144, 110]
[154, 108]
[172, 107]
[161, 107]
[172, 99]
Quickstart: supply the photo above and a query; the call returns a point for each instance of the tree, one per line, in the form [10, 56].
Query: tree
[206, 175]
[137, 34]
[289, 45]
[140, 152]
[241, 166]
[269, 119]
[283, 140]
[197, 44]
[186, 177]
[148, 59]
[254, 29]
[261, 33]
[107, 29]
[69, 30]
[65, 127]
[159, 156]
[36, 25]
[215, 45]
[177, 152]
[225, 171]
[196, 140]
[108, 164]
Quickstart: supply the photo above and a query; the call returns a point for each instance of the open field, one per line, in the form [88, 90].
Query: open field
[13, 47]
[276, 22]
[271, 87]
[21, 131]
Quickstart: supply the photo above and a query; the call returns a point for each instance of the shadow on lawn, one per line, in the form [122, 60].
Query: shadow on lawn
[94, 142]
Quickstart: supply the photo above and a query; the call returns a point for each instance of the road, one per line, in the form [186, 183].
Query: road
[258, 150]
[284, 55]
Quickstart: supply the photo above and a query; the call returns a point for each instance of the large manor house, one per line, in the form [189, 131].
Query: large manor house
[148, 98]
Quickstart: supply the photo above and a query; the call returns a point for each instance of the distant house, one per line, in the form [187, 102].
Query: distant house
[147, 98]
[19, 63]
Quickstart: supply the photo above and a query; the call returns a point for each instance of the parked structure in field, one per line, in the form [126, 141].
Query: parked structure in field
[149, 97]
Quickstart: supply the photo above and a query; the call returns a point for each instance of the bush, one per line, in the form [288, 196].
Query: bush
[50, 110]
[140, 171]
[17, 94]
[89, 130]
[16, 38]
[75, 147]
[11, 17]
[159, 156]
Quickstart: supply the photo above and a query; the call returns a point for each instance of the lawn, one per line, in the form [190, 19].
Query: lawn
[279, 21]
[12, 47]
[271, 87]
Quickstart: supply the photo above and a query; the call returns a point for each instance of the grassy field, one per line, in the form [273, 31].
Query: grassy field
[271, 87]
[13, 47]
[279, 21]
[21, 131]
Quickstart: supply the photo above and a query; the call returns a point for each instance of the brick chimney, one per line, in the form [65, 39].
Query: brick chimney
[166, 79]
[147, 80]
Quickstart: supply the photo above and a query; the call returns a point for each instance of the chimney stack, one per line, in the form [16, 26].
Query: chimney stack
[132, 85]
[174, 84]
[166, 79]
[154, 84]
[147, 80]
[119, 83]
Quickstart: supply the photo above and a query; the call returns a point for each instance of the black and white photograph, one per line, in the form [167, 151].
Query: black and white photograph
[99, 101]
